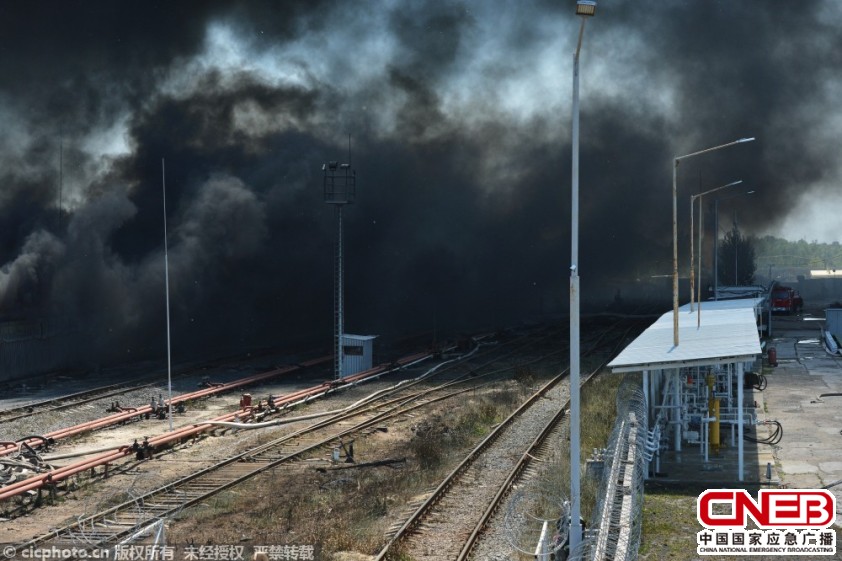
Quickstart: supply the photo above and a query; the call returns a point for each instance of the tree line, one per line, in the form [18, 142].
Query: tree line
[740, 256]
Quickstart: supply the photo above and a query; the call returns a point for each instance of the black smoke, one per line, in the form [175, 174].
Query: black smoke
[460, 120]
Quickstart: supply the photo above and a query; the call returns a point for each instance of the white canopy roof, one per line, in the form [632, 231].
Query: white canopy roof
[728, 333]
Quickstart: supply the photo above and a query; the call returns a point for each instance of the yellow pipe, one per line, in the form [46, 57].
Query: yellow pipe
[714, 425]
[713, 411]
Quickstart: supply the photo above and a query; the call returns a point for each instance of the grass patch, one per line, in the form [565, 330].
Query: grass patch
[670, 526]
[346, 510]
[599, 410]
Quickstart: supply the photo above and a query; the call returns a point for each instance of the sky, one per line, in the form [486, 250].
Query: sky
[459, 115]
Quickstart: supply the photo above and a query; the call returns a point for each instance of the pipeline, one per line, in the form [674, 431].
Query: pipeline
[194, 429]
[82, 453]
[6, 449]
[371, 397]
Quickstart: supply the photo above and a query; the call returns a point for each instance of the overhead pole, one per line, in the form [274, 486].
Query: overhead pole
[701, 236]
[167, 293]
[584, 8]
[676, 161]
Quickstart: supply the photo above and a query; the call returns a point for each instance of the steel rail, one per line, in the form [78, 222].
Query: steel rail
[54, 476]
[67, 401]
[415, 518]
[101, 392]
[248, 459]
[450, 480]
[528, 456]
[66, 432]
[104, 459]
[532, 452]
[250, 456]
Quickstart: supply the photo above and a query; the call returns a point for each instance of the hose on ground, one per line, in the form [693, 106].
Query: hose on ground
[773, 439]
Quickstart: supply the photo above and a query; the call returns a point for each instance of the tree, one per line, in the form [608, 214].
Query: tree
[736, 259]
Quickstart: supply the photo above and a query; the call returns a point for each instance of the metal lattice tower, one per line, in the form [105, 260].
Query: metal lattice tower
[340, 185]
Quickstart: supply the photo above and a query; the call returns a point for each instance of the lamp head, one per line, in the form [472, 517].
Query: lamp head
[585, 7]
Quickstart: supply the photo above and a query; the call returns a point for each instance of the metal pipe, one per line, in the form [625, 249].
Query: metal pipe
[542, 549]
[127, 415]
[188, 431]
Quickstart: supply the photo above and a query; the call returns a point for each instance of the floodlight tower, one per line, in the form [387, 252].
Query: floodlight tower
[340, 189]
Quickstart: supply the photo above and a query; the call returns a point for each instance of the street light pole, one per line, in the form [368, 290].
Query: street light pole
[716, 249]
[701, 235]
[716, 240]
[583, 8]
[676, 161]
[736, 252]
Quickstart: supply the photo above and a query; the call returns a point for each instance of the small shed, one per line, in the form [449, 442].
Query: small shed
[357, 353]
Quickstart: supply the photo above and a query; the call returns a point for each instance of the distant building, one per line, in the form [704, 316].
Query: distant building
[825, 273]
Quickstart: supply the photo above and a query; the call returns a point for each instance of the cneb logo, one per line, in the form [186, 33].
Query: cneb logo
[801, 508]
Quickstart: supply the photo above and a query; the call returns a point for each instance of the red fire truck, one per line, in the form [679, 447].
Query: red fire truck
[786, 300]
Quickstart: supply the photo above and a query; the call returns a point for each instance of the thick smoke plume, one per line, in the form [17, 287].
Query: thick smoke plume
[459, 114]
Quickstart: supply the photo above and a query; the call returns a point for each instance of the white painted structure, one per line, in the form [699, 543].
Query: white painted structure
[717, 344]
[357, 353]
[833, 321]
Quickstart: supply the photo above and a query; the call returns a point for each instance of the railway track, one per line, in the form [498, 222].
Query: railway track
[112, 525]
[450, 521]
[90, 395]
[108, 458]
[133, 413]
[70, 400]
[117, 523]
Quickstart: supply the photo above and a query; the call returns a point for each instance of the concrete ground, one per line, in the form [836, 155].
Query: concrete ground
[810, 453]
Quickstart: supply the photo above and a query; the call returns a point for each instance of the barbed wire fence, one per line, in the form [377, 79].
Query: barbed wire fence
[537, 516]
[615, 526]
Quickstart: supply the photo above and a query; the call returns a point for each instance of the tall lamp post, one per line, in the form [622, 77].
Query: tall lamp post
[716, 240]
[701, 235]
[584, 8]
[676, 161]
